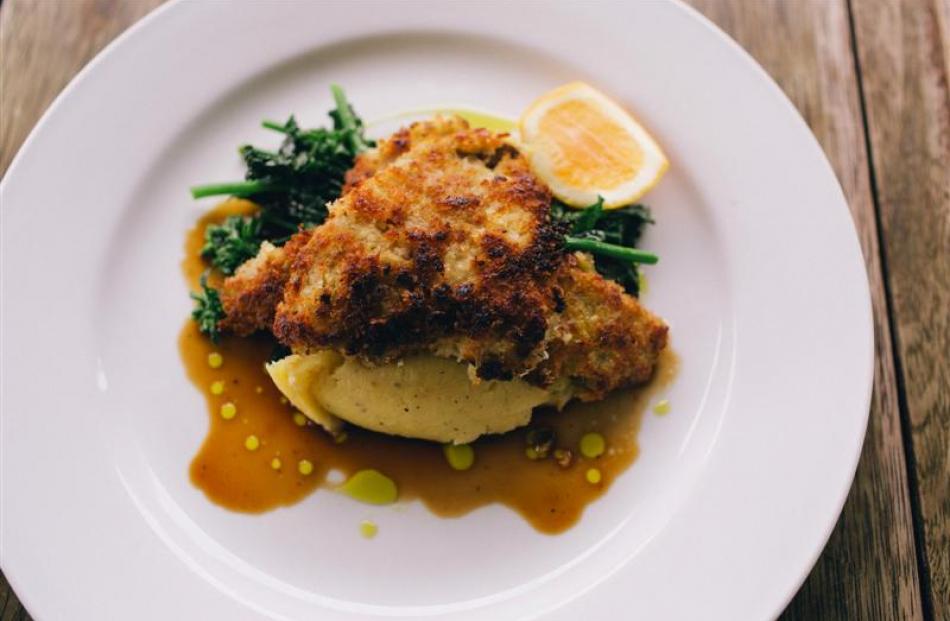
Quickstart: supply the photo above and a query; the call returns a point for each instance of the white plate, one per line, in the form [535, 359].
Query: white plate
[761, 279]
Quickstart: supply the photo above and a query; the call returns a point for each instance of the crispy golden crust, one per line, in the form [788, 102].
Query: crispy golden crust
[602, 339]
[251, 295]
[443, 241]
[450, 235]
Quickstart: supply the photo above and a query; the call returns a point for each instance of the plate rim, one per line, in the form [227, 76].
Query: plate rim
[855, 457]
[115, 46]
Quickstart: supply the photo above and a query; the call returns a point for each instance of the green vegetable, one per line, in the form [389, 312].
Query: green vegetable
[345, 119]
[611, 236]
[234, 188]
[612, 251]
[231, 243]
[292, 185]
[208, 310]
[587, 219]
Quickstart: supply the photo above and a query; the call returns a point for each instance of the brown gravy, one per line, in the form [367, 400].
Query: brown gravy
[549, 496]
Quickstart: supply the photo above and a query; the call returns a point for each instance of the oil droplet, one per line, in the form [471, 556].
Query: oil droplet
[593, 476]
[475, 118]
[304, 467]
[368, 529]
[299, 419]
[459, 456]
[215, 360]
[228, 411]
[661, 408]
[592, 445]
[217, 388]
[371, 487]
[275, 463]
[481, 119]
[252, 443]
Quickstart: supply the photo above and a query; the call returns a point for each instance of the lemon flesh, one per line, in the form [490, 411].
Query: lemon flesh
[583, 145]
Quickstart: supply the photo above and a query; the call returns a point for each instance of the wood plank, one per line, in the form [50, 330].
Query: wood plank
[904, 54]
[46, 42]
[868, 570]
[43, 44]
[10, 607]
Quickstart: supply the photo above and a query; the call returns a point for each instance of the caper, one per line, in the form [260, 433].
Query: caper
[563, 457]
[540, 440]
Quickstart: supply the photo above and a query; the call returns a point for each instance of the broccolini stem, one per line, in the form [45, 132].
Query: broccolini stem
[348, 120]
[234, 188]
[274, 125]
[610, 250]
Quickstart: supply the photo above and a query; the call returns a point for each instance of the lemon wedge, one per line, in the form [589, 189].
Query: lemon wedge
[583, 145]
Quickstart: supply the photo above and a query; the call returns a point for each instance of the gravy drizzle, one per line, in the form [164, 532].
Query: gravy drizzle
[549, 496]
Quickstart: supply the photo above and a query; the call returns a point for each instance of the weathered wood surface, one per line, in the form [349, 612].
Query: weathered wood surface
[870, 78]
[43, 44]
[904, 54]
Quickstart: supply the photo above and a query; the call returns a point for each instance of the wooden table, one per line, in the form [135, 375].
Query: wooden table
[871, 79]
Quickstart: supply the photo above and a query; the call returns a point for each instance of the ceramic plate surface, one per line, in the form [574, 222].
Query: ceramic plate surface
[761, 280]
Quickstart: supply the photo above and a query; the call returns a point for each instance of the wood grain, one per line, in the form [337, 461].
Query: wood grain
[43, 44]
[903, 51]
[869, 568]
[10, 607]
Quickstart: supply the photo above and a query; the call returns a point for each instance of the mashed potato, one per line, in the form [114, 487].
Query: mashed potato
[421, 396]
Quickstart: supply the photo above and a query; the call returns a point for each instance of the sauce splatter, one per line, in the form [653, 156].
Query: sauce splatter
[551, 493]
[368, 529]
[459, 456]
[475, 118]
[372, 487]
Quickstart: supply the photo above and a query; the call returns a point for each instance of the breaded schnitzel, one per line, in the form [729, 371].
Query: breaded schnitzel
[443, 242]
